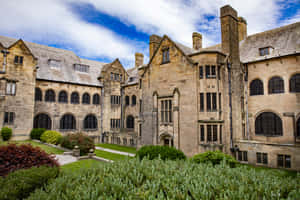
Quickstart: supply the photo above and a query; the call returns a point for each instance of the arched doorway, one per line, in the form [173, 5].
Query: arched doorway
[42, 121]
[166, 139]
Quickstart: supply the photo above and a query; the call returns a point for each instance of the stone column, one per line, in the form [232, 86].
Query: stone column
[176, 113]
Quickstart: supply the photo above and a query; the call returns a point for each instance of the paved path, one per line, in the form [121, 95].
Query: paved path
[117, 152]
[65, 159]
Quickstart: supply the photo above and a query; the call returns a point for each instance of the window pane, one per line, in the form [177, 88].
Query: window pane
[213, 71]
[214, 101]
[201, 102]
[258, 158]
[265, 158]
[209, 137]
[202, 133]
[245, 155]
[200, 72]
[208, 101]
[215, 133]
[207, 71]
[288, 161]
[6, 117]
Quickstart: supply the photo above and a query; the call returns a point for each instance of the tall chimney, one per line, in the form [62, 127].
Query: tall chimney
[230, 35]
[139, 59]
[197, 41]
[153, 44]
[242, 28]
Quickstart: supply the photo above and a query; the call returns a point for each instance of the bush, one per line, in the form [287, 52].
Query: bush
[164, 152]
[13, 157]
[215, 158]
[19, 184]
[36, 133]
[6, 133]
[84, 142]
[181, 179]
[51, 137]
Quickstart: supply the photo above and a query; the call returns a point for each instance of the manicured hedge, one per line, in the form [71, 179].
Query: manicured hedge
[36, 133]
[164, 152]
[13, 157]
[6, 133]
[51, 137]
[19, 184]
[84, 142]
[215, 158]
[181, 179]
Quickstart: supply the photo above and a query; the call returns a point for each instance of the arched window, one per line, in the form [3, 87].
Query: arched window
[42, 121]
[90, 122]
[63, 97]
[75, 98]
[96, 99]
[276, 85]
[86, 98]
[38, 94]
[256, 87]
[133, 100]
[68, 122]
[298, 127]
[295, 83]
[268, 124]
[50, 96]
[127, 100]
[130, 122]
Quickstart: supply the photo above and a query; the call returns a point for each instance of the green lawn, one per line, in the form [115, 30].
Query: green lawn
[47, 149]
[109, 156]
[76, 166]
[118, 147]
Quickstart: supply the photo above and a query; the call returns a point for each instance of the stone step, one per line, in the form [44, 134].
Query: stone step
[68, 153]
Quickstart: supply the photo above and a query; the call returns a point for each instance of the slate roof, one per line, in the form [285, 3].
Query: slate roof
[64, 73]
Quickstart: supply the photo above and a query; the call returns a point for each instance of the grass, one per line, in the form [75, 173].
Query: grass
[110, 156]
[47, 149]
[118, 147]
[277, 172]
[76, 166]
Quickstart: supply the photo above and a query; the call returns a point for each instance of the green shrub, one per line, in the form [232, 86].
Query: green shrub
[6, 133]
[164, 152]
[84, 142]
[215, 158]
[181, 179]
[51, 137]
[19, 184]
[36, 133]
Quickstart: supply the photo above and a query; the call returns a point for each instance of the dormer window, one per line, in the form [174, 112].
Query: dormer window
[166, 56]
[81, 68]
[54, 63]
[265, 51]
[18, 60]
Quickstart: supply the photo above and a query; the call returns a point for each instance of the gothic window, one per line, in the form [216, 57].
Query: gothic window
[298, 127]
[115, 100]
[211, 101]
[11, 88]
[38, 94]
[262, 158]
[210, 71]
[18, 60]
[166, 56]
[126, 100]
[201, 72]
[133, 100]
[9, 117]
[284, 161]
[166, 111]
[81, 68]
[242, 156]
[68, 122]
[268, 124]
[75, 98]
[295, 83]
[50, 96]
[90, 122]
[256, 87]
[115, 123]
[96, 99]
[85, 98]
[130, 122]
[63, 97]
[276, 85]
[42, 121]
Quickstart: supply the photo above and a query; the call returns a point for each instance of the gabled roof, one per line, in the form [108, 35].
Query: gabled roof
[66, 72]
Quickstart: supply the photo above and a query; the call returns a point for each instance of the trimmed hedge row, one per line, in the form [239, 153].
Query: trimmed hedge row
[163, 152]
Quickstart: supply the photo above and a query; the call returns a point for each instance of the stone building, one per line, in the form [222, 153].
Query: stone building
[241, 96]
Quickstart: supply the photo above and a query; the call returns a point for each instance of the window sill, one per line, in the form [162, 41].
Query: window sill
[90, 129]
[269, 135]
[66, 130]
[166, 123]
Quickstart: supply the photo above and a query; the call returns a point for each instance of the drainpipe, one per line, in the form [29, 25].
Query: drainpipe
[5, 53]
[230, 104]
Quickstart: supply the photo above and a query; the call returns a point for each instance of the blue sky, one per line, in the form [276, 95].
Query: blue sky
[105, 30]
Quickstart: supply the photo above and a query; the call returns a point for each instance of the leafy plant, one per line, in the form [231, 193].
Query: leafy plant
[19, 184]
[36, 133]
[51, 137]
[181, 179]
[164, 152]
[215, 158]
[13, 157]
[6, 133]
[84, 142]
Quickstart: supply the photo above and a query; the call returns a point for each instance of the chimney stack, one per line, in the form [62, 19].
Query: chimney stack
[242, 28]
[139, 59]
[197, 41]
[230, 34]
[153, 44]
